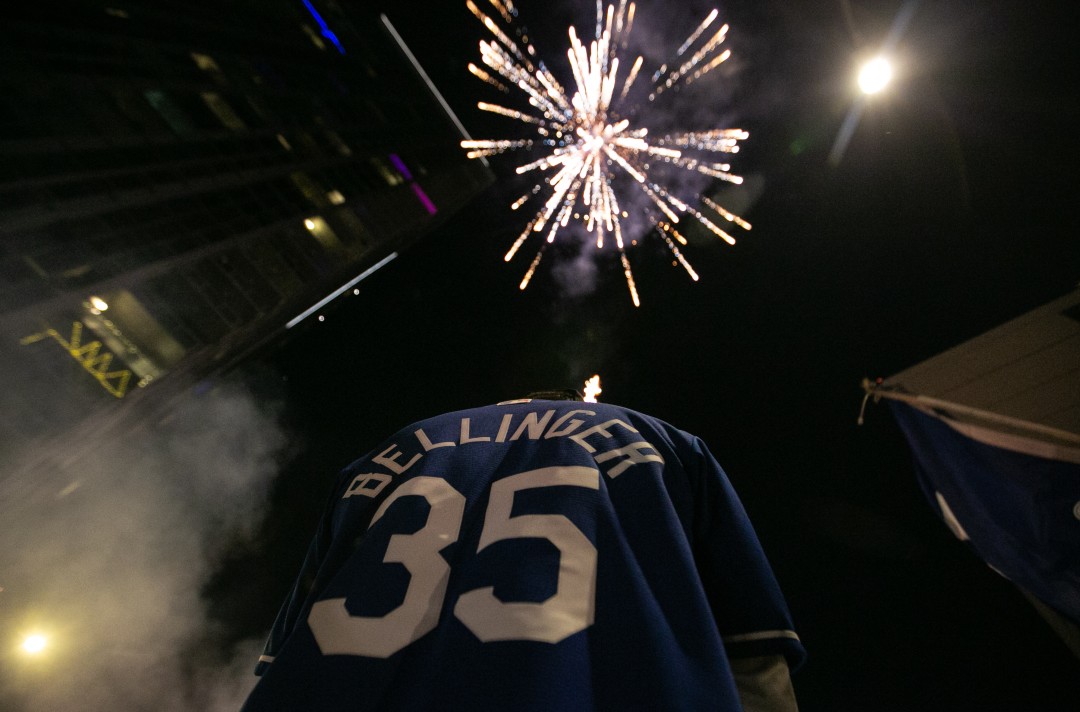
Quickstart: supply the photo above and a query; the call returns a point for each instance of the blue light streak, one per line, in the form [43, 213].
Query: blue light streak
[325, 30]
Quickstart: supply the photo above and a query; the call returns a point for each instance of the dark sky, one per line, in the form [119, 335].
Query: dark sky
[951, 212]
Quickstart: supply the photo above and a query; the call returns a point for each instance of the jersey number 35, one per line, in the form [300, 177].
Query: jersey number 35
[570, 610]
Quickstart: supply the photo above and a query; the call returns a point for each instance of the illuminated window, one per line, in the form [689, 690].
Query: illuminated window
[313, 36]
[322, 232]
[388, 174]
[205, 62]
[130, 330]
[223, 111]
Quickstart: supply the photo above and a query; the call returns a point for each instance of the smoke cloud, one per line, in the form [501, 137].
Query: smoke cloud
[106, 549]
[576, 276]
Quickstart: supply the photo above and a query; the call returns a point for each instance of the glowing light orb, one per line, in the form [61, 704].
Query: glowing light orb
[875, 75]
[99, 303]
[592, 389]
[591, 135]
[34, 644]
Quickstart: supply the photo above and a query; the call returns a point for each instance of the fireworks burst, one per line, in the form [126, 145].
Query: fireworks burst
[589, 139]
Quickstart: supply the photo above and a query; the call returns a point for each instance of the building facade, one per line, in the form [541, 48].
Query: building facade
[181, 181]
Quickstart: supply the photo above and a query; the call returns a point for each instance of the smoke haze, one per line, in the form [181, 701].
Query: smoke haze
[106, 551]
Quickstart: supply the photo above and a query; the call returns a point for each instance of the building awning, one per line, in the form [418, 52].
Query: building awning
[1020, 512]
[994, 427]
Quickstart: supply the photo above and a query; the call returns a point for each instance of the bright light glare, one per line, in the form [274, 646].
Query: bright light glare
[34, 644]
[99, 303]
[875, 75]
[592, 389]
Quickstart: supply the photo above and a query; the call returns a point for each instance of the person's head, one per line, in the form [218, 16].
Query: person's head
[568, 394]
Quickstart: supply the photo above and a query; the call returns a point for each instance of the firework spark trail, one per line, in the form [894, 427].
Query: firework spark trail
[485, 77]
[730, 216]
[587, 134]
[698, 57]
[697, 33]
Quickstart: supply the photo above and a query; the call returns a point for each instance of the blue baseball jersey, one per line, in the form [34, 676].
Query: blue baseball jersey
[531, 555]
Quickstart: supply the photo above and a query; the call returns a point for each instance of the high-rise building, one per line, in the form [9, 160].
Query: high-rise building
[181, 181]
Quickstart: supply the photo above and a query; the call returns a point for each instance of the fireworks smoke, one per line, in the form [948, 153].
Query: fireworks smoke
[105, 555]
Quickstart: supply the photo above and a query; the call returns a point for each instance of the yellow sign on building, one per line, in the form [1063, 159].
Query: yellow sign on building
[91, 356]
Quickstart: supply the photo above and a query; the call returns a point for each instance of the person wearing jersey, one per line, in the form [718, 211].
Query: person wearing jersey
[533, 555]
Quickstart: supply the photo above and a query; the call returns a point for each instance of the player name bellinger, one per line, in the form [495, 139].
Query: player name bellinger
[574, 425]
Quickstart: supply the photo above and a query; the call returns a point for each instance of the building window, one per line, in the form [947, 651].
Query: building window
[223, 111]
[322, 232]
[311, 190]
[313, 36]
[337, 142]
[205, 62]
[387, 173]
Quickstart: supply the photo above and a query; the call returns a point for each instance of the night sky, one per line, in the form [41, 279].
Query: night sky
[952, 211]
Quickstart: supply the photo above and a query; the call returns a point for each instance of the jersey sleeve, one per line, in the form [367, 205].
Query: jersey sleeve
[747, 603]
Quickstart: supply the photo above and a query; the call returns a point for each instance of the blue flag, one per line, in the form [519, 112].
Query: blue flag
[1020, 511]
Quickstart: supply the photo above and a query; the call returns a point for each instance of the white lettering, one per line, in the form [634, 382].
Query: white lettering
[600, 429]
[554, 431]
[633, 454]
[426, 443]
[465, 434]
[391, 463]
[359, 485]
[534, 426]
[504, 427]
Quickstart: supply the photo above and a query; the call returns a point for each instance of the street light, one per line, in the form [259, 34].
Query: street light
[875, 75]
[34, 644]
